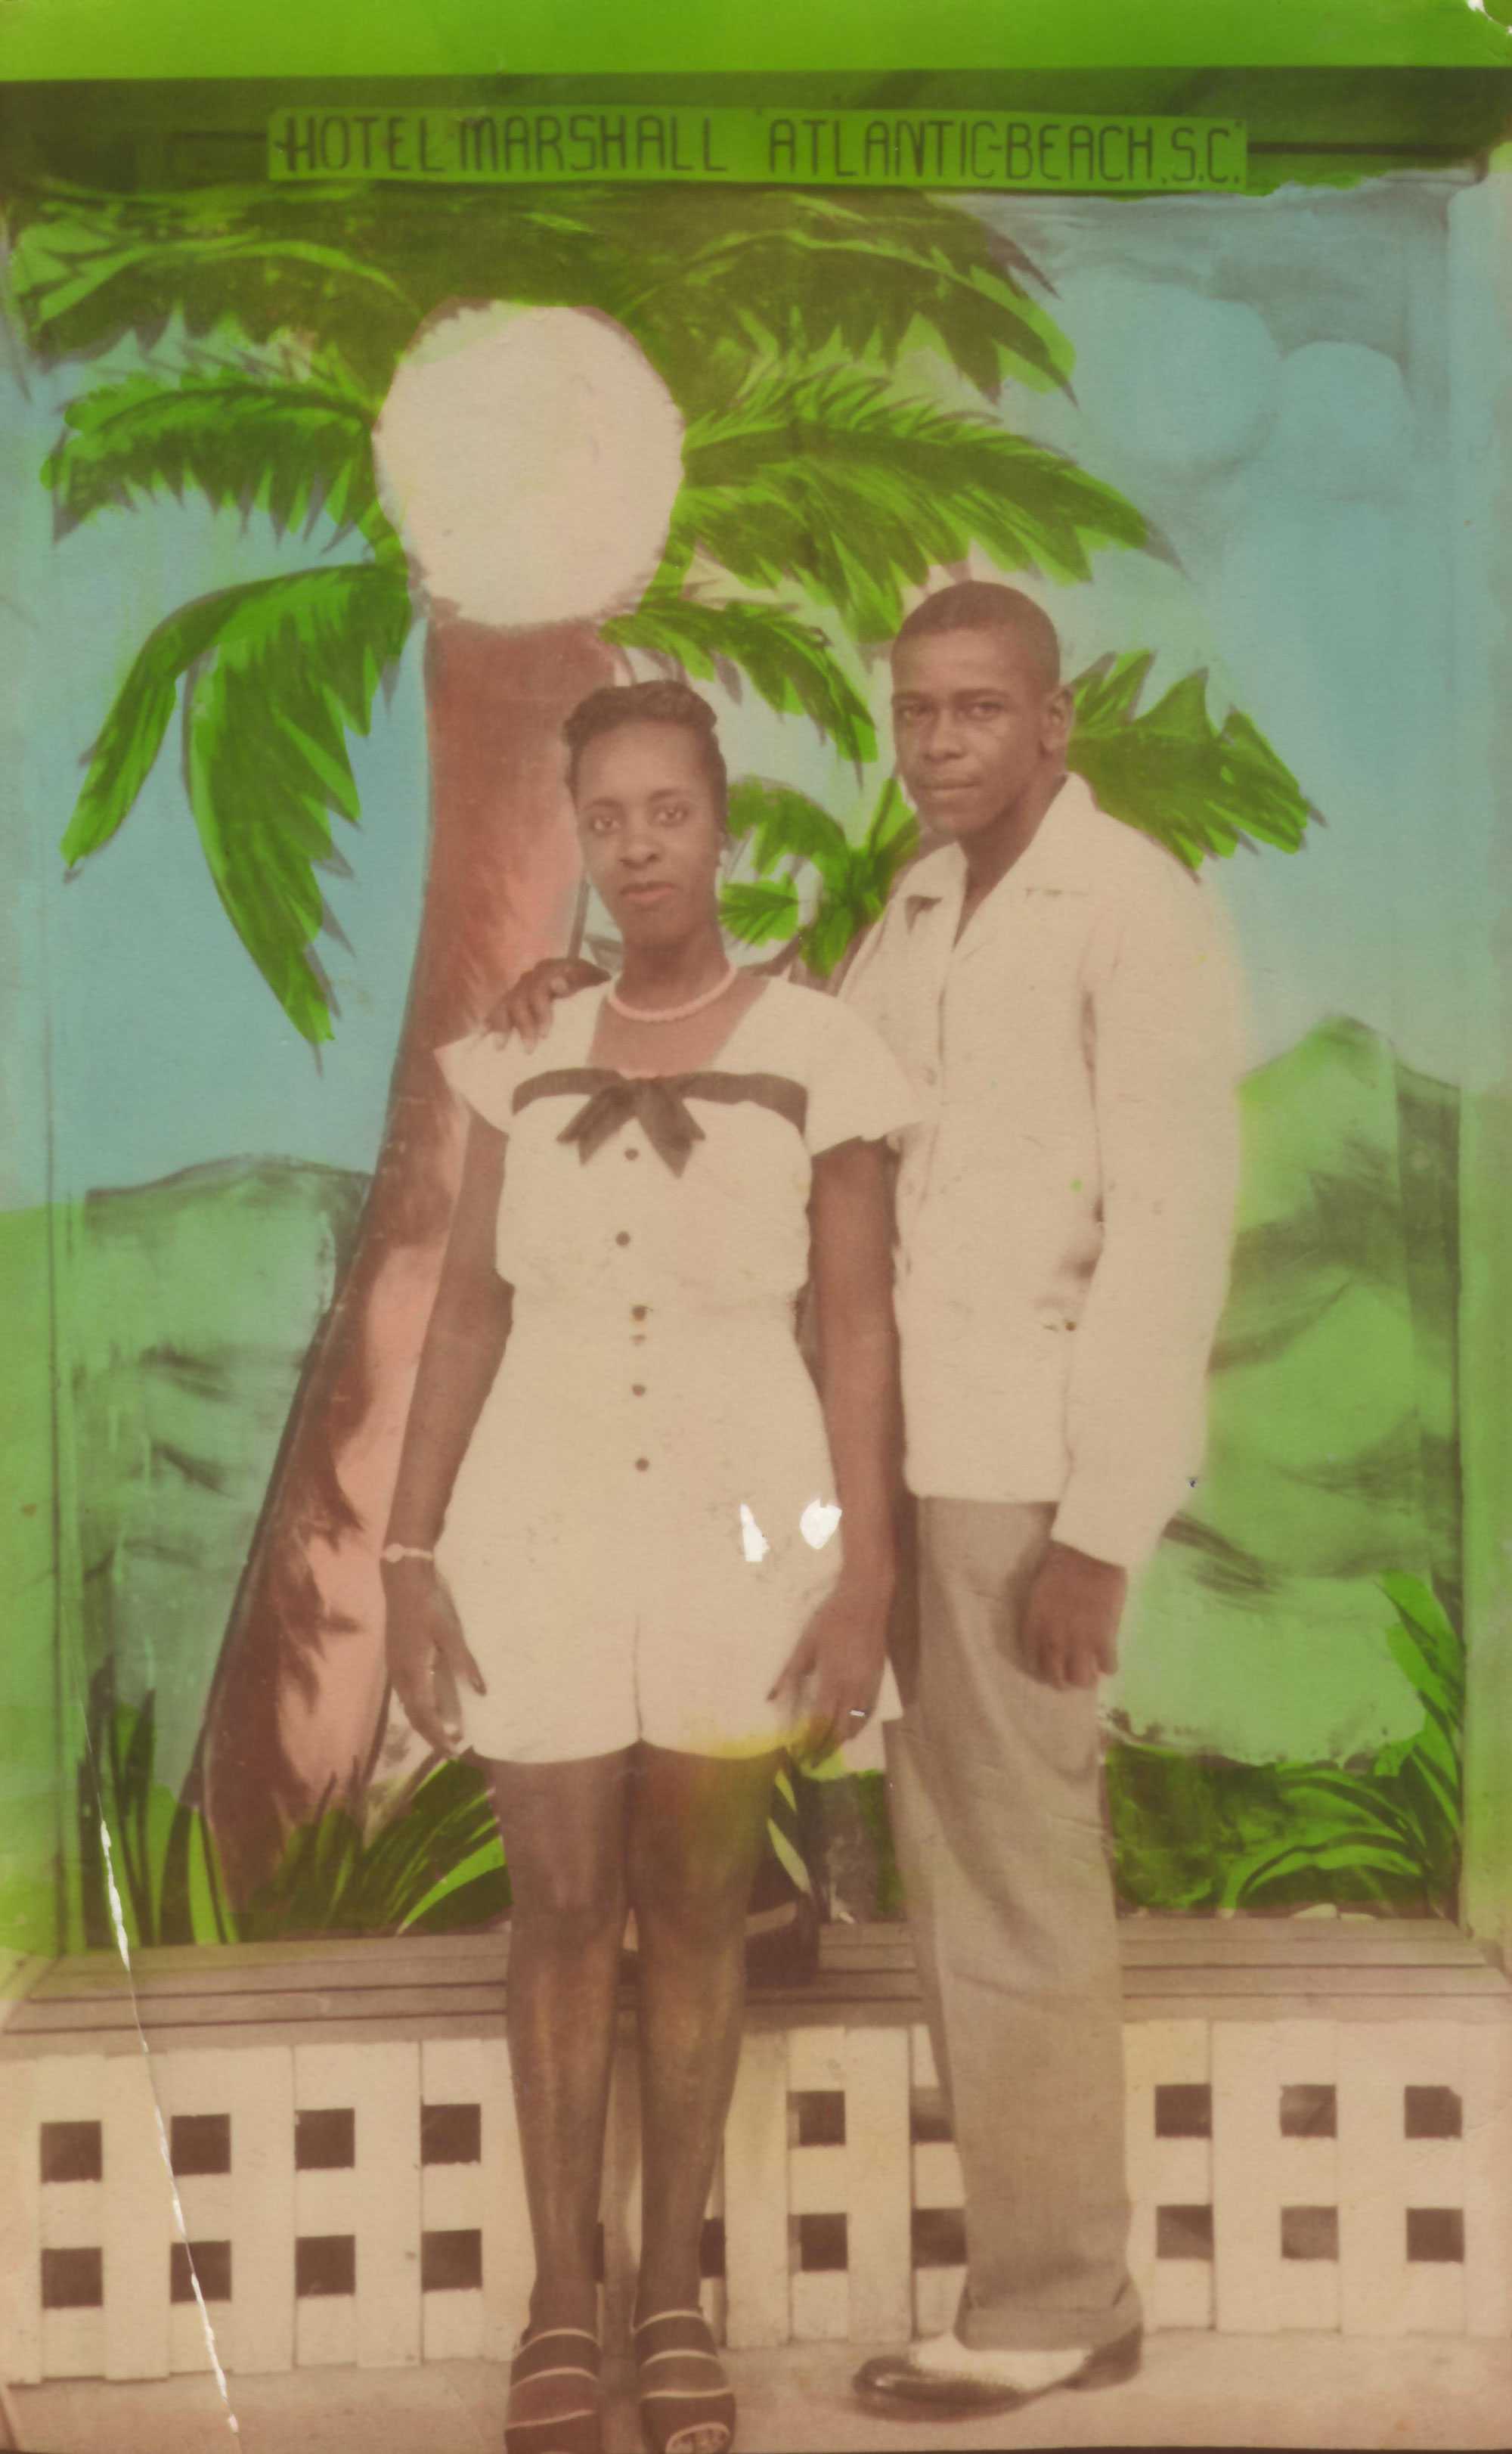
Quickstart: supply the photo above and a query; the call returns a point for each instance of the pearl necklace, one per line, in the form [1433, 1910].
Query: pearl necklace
[670, 1012]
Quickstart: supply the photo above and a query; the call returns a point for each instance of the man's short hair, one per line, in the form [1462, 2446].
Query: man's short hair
[672, 702]
[988, 605]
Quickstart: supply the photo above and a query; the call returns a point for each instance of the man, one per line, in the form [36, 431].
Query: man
[1058, 989]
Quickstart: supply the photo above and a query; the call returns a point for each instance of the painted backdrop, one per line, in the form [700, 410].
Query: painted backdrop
[284, 812]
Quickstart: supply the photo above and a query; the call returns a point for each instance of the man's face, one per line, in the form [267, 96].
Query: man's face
[975, 726]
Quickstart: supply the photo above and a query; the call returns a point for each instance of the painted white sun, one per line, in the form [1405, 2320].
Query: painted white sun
[529, 458]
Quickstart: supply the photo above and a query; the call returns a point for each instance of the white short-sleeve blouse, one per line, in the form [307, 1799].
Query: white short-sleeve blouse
[718, 1212]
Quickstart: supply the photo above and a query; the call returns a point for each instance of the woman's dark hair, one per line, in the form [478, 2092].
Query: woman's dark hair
[610, 710]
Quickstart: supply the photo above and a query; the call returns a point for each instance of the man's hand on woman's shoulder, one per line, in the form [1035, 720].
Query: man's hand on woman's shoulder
[526, 1007]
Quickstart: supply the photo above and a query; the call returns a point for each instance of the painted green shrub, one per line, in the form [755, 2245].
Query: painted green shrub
[1191, 1833]
[1196, 1832]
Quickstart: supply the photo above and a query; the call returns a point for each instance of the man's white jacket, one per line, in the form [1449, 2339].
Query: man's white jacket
[1065, 1206]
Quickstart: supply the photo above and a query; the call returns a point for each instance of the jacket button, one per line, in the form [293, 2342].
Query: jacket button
[621, 1237]
[641, 1464]
[638, 1312]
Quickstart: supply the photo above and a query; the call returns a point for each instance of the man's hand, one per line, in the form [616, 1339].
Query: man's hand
[1070, 1627]
[828, 1683]
[527, 1007]
[427, 1653]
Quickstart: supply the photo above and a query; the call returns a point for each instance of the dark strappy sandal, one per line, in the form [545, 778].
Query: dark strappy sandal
[556, 2401]
[677, 2416]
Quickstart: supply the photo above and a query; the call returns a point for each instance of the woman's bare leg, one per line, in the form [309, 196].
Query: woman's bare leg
[696, 1827]
[564, 1827]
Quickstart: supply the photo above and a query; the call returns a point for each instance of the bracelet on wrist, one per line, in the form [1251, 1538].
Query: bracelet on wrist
[390, 1557]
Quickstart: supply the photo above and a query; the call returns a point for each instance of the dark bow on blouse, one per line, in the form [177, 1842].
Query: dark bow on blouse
[659, 1104]
[655, 1101]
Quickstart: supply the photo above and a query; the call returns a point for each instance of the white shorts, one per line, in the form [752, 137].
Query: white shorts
[638, 1534]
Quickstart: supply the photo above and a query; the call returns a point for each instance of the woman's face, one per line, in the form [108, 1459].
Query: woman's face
[650, 831]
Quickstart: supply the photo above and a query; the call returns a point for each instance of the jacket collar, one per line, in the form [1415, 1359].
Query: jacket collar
[1061, 854]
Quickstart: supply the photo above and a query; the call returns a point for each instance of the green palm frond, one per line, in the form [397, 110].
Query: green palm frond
[780, 823]
[857, 489]
[288, 450]
[788, 661]
[278, 673]
[293, 671]
[784, 271]
[776, 271]
[131, 735]
[757, 910]
[90, 266]
[839, 921]
[854, 901]
[87, 267]
[1198, 788]
[888, 845]
[855, 877]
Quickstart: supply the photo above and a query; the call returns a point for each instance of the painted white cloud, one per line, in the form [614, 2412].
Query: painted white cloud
[1346, 427]
[1182, 382]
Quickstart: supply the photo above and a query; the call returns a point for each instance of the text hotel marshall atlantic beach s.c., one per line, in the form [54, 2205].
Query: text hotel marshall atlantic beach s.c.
[882, 149]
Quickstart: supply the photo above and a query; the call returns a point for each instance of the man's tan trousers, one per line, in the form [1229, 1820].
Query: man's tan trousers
[997, 1794]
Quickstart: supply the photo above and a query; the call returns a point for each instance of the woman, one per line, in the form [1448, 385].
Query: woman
[613, 1569]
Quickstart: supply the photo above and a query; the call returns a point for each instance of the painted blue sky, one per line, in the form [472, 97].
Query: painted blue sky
[1272, 381]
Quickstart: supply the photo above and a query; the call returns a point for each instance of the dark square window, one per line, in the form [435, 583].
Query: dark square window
[324, 2265]
[1436, 2235]
[939, 2237]
[72, 2151]
[928, 2122]
[72, 2278]
[326, 2142]
[212, 2264]
[824, 2246]
[1432, 2113]
[820, 2116]
[451, 2134]
[711, 2247]
[451, 2261]
[1184, 2112]
[1309, 2232]
[1309, 2113]
[1183, 2232]
[201, 2143]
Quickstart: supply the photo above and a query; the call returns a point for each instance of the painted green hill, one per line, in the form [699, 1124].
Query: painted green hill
[1332, 1452]
[191, 1307]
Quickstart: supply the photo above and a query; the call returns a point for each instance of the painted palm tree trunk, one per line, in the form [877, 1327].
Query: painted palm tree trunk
[297, 1709]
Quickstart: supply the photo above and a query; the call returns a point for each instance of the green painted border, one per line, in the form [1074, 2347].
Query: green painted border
[72, 39]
